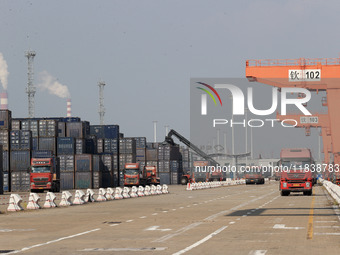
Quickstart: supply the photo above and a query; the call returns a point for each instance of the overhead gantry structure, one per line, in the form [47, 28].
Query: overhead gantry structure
[319, 74]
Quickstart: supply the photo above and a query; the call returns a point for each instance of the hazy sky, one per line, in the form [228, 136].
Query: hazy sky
[147, 51]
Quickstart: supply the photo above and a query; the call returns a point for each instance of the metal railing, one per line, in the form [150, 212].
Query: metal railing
[293, 62]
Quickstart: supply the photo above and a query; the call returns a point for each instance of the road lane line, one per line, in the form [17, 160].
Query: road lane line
[258, 252]
[129, 221]
[178, 232]
[310, 219]
[323, 234]
[53, 241]
[200, 241]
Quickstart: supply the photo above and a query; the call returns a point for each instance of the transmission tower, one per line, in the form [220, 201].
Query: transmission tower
[101, 111]
[30, 90]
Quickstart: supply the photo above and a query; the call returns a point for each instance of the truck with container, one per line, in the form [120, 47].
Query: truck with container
[44, 174]
[254, 175]
[133, 176]
[296, 174]
[200, 173]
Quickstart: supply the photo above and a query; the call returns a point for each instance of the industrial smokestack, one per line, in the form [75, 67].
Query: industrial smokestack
[69, 108]
[4, 101]
[3, 72]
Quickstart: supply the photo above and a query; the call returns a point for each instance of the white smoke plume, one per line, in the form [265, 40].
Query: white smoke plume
[52, 85]
[3, 72]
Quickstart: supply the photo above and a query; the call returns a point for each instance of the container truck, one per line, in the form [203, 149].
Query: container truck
[295, 171]
[44, 174]
[134, 177]
[254, 176]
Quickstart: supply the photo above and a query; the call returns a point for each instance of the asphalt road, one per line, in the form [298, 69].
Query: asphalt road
[245, 219]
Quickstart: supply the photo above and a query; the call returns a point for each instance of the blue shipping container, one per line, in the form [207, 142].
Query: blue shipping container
[42, 154]
[65, 145]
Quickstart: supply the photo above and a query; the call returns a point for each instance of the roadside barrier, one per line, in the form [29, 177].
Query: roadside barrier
[14, 203]
[147, 190]
[109, 194]
[33, 201]
[153, 190]
[126, 191]
[66, 197]
[140, 191]
[101, 196]
[215, 184]
[118, 193]
[159, 190]
[79, 197]
[333, 190]
[165, 189]
[89, 196]
[133, 192]
[49, 200]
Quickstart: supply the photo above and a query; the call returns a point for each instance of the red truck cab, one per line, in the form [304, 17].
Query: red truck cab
[296, 175]
[131, 174]
[44, 175]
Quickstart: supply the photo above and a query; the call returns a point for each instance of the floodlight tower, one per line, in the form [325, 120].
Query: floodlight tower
[30, 90]
[101, 111]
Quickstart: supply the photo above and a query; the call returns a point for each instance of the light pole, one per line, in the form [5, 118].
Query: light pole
[246, 135]
[155, 131]
[251, 143]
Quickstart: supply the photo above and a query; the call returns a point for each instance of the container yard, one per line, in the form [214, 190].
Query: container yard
[169, 127]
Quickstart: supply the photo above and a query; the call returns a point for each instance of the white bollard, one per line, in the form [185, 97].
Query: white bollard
[189, 186]
[109, 194]
[66, 197]
[33, 201]
[118, 193]
[101, 196]
[159, 190]
[49, 200]
[133, 192]
[147, 190]
[153, 190]
[126, 191]
[14, 203]
[165, 189]
[89, 196]
[79, 197]
[140, 191]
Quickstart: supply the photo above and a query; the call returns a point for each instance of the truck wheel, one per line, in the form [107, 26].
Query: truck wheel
[184, 181]
[307, 193]
[284, 193]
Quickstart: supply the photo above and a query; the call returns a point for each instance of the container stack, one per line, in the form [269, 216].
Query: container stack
[168, 153]
[66, 152]
[20, 159]
[106, 145]
[186, 160]
[141, 151]
[5, 127]
[83, 171]
[127, 154]
[151, 154]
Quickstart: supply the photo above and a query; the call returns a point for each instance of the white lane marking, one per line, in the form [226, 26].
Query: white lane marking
[232, 222]
[155, 214]
[257, 252]
[238, 219]
[165, 211]
[201, 241]
[174, 209]
[129, 221]
[126, 249]
[178, 232]
[323, 234]
[142, 217]
[283, 226]
[181, 207]
[326, 221]
[112, 225]
[53, 241]
[153, 228]
[19, 230]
